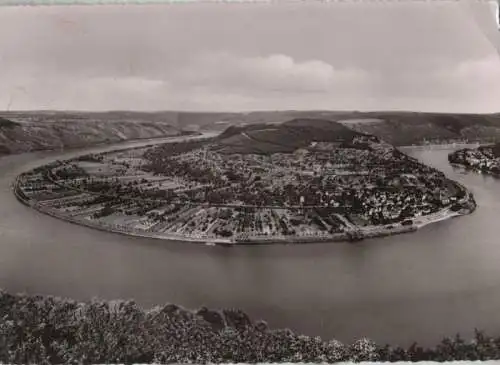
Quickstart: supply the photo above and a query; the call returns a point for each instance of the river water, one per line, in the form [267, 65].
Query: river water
[420, 286]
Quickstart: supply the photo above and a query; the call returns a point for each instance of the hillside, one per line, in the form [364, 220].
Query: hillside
[27, 131]
[285, 137]
[5, 123]
[415, 128]
[23, 132]
[397, 128]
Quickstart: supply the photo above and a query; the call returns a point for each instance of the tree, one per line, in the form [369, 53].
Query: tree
[336, 351]
[363, 350]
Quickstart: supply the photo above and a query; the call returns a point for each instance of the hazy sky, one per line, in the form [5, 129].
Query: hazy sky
[355, 54]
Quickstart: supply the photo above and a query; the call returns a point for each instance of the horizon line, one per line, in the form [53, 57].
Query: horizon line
[241, 111]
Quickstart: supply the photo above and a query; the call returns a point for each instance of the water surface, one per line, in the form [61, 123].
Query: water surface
[419, 286]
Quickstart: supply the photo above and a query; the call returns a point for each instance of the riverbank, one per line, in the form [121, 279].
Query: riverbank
[476, 170]
[358, 234]
[351, 233]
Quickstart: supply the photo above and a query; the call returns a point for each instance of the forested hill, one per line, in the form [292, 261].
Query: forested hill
[416, 128]
[397, 128]
[285, 137]
[27, 131]
[23, 132]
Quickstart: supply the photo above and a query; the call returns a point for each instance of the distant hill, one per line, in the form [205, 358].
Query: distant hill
[415, 128]
[6, 123]
[401, 128]
[398, 128]
[284, 138]
[29, 131]
[26, 131]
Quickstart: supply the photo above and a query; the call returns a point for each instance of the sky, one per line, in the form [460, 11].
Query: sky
[422, 55]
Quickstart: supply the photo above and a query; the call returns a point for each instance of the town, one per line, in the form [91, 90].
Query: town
[203, 191]
[485, 159]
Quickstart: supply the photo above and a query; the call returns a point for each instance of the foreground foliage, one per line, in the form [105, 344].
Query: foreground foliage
[47, 330]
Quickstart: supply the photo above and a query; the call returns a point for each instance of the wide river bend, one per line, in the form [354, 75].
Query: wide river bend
[421, 286]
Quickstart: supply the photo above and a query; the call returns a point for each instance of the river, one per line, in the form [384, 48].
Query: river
[421, 286]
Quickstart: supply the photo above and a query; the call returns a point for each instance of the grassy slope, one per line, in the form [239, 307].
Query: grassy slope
[22, 132]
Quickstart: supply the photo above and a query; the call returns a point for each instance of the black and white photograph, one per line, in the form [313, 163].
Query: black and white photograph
[205, 182]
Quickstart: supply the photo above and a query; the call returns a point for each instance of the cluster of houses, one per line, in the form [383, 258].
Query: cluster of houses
[321, 191]
[484, 159]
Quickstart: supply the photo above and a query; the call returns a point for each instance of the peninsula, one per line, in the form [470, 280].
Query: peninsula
[305, 180]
